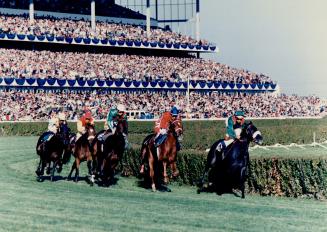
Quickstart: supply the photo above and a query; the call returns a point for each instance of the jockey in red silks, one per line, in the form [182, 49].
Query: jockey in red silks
[162, 125]
[82, 122]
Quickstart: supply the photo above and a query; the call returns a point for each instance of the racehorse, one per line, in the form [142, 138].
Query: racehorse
[229, 169]
[165, 153]
[50, 147]
[84, 150]
[110, 152]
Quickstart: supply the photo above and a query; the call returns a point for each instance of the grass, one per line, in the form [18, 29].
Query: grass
[28, 205]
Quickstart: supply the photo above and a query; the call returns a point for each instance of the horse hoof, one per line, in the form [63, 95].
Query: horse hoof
[198, 191]
[92, 179]
[176, 174]
[153, 188]
[38, 173]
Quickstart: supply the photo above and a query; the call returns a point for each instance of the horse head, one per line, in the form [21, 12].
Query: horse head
[251, 133]
[176, 127]
[64, 133]
[122, 127]
[91, 133]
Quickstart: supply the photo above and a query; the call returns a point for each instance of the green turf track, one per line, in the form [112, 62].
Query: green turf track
[27, 205]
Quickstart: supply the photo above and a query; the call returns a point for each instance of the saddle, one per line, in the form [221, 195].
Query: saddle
[47, 136]
[160, 139]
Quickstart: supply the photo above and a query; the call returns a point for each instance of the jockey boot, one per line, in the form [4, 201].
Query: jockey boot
[178, 145]
[220, 149]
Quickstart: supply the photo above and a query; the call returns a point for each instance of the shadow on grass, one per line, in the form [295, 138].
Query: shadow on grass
[144, 183]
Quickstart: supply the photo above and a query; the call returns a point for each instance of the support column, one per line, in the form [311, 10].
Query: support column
[93, 15]
[197, 18]
[148, 19]
[31, 12]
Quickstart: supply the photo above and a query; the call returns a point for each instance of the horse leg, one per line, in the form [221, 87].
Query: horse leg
[151, 167]
[166, 179]
[77, 164]
[90, 168]
[39, 168]
[48, 168]
[71, 171]
[53, 170]
[204, 176]
[243, 176]
[59, 164]
[174, 169]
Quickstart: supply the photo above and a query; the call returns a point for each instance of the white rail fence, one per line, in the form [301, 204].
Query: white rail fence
[292, 145]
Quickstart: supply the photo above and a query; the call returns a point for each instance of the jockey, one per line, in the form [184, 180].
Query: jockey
[53, 124]
[62, 119]
[53, 127]
[63, 125]
[114, 115]
[162, 125]
[82, 122]
[234, 126]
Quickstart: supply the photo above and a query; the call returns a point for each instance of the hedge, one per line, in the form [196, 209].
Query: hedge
[291, 176]
[201, 134]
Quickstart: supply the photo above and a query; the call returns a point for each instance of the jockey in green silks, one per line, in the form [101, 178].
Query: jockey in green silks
[234, 126]
[114, 115]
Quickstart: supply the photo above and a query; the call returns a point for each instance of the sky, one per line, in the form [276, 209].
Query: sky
[286, 40]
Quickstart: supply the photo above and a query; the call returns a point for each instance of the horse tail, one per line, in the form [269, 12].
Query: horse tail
[67, 155]
[212, 156]
[210, 163]
[144, 147]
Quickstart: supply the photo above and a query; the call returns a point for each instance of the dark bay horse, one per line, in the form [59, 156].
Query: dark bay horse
[229, 170]
[166, 153]
[84, 150]
[51, 147]
[110, 153]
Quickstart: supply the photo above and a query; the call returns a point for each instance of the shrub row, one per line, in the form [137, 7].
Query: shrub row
[201, 134]
[291, 177]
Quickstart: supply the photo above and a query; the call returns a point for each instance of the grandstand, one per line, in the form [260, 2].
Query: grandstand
[66, 56]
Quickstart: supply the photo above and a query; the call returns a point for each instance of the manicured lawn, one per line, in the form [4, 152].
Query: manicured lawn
[28, 205]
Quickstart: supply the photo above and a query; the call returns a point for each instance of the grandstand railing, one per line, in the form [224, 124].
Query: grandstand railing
[109, 43]
[119, 84]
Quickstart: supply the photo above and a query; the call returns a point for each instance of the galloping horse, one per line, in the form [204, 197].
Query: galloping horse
[112, 153]
[229, 170]
[84, 150]
[51, 151]
[164, 154]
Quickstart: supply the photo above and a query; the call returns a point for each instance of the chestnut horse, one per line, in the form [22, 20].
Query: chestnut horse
[165, 153]
[84, 150]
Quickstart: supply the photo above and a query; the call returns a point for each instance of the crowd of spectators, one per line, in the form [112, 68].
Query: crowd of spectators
[103, 7]
[37, 105]
[51, 26]
[74, 65]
